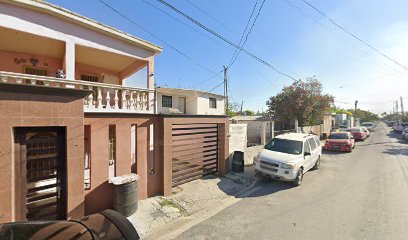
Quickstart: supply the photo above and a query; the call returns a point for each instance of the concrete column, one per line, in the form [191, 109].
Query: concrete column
[272, 129]
[150, 85]
[123, 149]
[223, 148]
[69, 61]
[142, 159]
[263, 133]
[167, 157]
[296, 125]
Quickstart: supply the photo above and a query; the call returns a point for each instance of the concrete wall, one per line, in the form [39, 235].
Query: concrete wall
[195, 104]
[148, 157]
[203, 105]
[48, 107]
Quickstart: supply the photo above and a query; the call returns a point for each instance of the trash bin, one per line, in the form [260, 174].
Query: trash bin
[125, 193]
[238, 161]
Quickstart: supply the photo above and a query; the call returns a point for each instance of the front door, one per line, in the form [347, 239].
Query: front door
[45, 183]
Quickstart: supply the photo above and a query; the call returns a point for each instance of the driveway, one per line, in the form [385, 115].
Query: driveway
[358, 195]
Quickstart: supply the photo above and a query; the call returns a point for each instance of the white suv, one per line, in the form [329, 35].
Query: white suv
[287, 157]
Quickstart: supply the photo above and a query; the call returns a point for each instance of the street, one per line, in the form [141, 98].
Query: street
[358, 195]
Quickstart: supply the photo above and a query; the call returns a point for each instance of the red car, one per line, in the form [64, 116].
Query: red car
[340, 141]
[358, 133]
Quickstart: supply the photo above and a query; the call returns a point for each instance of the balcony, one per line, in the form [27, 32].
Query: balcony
[105, 98]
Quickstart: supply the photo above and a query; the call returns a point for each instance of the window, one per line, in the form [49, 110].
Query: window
[307, 147]
[35, 71]
[213, 102]
[317, 141]
[112, 150]
[89, 78]
[87, 170]
[285, 146]
[167, 101]
[312, 143]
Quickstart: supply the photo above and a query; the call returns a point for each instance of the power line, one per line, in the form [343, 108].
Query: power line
[208, 15]
[156, 37]
[249, 32]
[355, 36]
[243, 33]
[225, 39]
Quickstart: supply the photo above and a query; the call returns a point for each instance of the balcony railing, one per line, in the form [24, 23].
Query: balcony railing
[104, 97]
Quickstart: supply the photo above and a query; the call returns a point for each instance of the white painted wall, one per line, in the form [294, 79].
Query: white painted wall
[195, 104]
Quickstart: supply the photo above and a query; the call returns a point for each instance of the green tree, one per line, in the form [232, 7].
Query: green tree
[303, 100]
[248, 113]
[365, 116]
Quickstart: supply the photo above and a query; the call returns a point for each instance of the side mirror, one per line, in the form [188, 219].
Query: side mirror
[307, 154]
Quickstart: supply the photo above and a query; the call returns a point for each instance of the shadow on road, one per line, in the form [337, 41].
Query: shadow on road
[325, 152]
[397, 151]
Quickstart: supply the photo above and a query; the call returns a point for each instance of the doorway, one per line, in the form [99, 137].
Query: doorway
[42, 150]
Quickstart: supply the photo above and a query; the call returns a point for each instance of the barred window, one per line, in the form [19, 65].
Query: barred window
[213, 103]
[167, 101]
[35, 71]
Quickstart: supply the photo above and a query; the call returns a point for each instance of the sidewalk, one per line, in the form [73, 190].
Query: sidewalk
[189, 198]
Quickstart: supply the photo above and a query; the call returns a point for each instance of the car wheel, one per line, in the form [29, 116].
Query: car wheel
[317, 164]
[299, 178]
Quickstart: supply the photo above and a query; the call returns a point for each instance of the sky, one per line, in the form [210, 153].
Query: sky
[288, 34]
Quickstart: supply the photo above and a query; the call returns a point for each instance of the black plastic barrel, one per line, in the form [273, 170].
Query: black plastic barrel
[238, 161]
[125, 198]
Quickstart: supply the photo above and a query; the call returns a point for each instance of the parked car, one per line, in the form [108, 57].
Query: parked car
[289, 156]
[358, 133]
[404, 133]
[366, 131]
[369, 125]
[343, 127]
[340, 141]
[399, 127]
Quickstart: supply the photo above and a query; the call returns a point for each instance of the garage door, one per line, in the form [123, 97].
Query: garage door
[194, 151]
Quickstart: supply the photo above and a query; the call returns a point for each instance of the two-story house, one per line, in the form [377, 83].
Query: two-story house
[190, 102]
[69, 120]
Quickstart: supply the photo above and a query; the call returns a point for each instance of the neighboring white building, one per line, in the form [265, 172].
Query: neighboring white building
[191, 102]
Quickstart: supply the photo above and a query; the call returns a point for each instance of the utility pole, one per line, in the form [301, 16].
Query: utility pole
[242, 104]
[226, 89]
[355, 112]
[402, 106]
[396, 107]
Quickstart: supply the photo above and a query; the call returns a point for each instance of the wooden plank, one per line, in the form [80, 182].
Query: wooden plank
[41, 178]
[202, 125]
[41, 196]
[35, 209]
[203, 151]
[34, 189]
[192, 146]
[194, 136]
[194, 131]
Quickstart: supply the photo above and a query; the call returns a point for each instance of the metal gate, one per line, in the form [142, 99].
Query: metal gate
[45, 173]
[194, 151]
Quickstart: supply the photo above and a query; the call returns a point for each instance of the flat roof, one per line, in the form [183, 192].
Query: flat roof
[185, 91]
[46, 7]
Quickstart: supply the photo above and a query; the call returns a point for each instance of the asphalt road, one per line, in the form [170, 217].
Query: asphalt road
[358, 195]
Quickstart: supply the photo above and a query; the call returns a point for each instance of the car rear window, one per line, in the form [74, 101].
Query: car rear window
[338, 136]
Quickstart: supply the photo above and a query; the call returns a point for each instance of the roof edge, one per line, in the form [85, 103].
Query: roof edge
[64, 13]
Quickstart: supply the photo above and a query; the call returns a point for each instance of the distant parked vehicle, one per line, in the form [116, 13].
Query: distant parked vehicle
[340, 141]
[366, 131]
[288, 157]
[343, 127]
[404, 133]
[358, 133]
[399, 127]
[369, 125]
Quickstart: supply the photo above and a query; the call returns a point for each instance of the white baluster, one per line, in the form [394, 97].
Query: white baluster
[116, 99]
[146, 101]
[91, 101]
[137, 102]
[124, 104]
[4, 79]
[131, 101]
[108, 104]
[33, 81]
[47, 84]
[99, 98]
[19, 80]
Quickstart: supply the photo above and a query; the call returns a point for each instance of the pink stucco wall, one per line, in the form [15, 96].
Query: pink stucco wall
[15, 62]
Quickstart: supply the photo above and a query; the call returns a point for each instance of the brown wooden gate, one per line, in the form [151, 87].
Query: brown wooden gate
[45, 172]
[194, 151]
